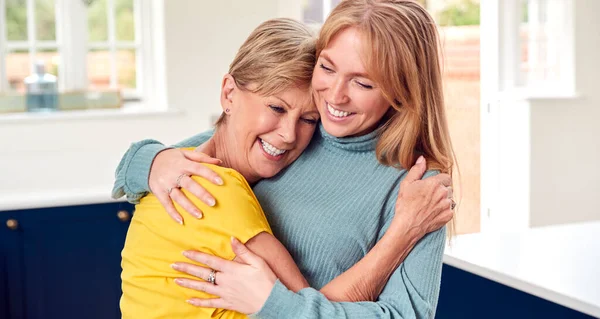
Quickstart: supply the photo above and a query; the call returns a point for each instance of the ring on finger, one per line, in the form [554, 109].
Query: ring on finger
[212, 277]
[169, 190]
[178, 181]
[453, 205]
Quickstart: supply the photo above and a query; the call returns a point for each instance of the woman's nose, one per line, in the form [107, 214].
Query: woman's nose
[337, 93]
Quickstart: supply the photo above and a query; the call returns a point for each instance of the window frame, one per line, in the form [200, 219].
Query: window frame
[72, 45]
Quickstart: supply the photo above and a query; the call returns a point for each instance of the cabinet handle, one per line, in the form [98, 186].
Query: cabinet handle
[124, 215]
[12, 224]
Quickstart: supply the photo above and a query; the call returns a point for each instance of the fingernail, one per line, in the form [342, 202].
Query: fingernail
[218, 181]
[186, 253]
[198, 214]
[234, 240]
[211, 202]
[179, 281]
[176, 267]
[191, 302]
[180, 221]
[420, 159]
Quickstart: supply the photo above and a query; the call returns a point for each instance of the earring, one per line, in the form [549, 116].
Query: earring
[226, 110]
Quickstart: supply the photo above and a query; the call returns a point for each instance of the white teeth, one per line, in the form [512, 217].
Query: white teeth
[337, 113]
[270, 149]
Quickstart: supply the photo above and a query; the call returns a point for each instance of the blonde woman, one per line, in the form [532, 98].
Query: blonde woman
[349, 196]
[268, 120]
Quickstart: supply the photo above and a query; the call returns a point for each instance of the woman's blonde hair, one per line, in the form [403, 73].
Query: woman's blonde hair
[402, 55]
[278, 54]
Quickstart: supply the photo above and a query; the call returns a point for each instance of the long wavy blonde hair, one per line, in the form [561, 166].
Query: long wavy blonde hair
[402, 55]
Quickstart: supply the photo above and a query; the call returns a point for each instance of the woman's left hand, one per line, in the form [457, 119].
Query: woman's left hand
[242, 286]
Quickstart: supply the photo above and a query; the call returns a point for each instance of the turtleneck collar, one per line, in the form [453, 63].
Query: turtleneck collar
[363, 143]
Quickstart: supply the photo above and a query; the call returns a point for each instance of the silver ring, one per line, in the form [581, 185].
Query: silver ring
[212, 277]
[450, 191]
[452, 205]
[169, 190]
[178, 182]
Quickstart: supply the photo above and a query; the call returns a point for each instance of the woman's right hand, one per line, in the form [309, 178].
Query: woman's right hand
[171, 170]
[424, 205]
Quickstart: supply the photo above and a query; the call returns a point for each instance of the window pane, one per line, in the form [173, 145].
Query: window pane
[97, 21]
[125, 20]
[540, 42]
[126, 68]
[16, 20]
[45, 20]
[18, 68]
[460, 37]
[98, 68]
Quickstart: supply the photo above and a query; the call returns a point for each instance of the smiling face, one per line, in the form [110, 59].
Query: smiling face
[350, 103]
[264, 134]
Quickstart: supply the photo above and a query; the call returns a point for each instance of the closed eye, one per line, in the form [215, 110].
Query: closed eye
[328, 70]
[277, 109]
[310, 121]
[364, 86]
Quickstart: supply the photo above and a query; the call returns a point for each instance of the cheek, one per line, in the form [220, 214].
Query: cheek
[264, 122]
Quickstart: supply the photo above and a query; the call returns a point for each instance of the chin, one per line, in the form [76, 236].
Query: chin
[336, 129]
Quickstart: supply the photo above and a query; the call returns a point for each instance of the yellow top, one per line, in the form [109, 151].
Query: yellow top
[154, 241]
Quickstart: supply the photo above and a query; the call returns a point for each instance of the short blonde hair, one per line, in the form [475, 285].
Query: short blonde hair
[402, 55]
[278, 54]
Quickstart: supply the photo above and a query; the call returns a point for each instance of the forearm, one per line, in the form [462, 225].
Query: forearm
[362, 282]
[131, 176]
[411, 292]
[279, 260]
[366, 279]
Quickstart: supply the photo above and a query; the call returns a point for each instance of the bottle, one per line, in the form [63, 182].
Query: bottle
[42, 90]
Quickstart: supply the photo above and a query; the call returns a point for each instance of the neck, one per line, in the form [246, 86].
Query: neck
[221, 147]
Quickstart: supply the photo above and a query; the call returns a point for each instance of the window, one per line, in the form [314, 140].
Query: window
[546, 56]
[89, 45]
[316, 11]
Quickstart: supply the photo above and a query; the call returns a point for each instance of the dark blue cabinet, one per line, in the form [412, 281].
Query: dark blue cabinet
[464, 295]
[62, 262]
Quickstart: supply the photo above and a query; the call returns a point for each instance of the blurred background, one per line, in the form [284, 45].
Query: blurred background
[82, 79]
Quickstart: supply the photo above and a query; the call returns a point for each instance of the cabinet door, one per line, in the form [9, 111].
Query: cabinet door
[11, 266]
[72, 261]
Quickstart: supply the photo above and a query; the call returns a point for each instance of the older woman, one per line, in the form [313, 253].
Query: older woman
[268, 120]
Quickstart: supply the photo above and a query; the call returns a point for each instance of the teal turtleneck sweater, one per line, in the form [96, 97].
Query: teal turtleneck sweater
[328, 208]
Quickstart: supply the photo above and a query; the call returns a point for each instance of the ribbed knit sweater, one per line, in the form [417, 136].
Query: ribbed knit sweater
[328, 208]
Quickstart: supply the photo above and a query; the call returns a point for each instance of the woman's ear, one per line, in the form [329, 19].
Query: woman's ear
[227, 91]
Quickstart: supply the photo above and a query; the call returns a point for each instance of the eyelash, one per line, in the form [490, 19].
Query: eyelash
[281, 110]
[364, 86]
[277, 109]
[328, 70]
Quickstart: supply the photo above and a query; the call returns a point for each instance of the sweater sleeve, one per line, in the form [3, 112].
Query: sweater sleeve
[411, 292]
[131, 176]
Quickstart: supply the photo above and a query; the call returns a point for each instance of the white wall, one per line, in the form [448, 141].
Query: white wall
[565, 136]
[46, 157]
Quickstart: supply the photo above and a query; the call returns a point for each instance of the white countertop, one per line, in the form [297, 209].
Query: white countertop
[557, 263]
[65, 197]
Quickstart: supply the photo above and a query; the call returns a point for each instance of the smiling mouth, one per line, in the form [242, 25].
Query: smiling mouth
[337, 113]
[271, 150]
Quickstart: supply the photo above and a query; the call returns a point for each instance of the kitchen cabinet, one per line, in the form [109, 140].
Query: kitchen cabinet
[464, 295]
[62, 262]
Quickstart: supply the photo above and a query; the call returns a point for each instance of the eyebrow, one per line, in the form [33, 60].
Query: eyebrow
[358, 74]
[284, 101]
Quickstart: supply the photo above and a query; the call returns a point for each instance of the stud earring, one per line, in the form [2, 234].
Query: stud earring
[226, 110]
